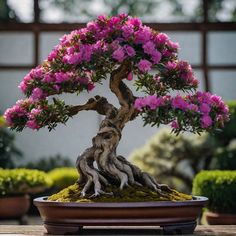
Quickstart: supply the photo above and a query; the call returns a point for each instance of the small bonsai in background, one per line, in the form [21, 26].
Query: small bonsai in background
[119, 47]
[8, 151]
[175, 160]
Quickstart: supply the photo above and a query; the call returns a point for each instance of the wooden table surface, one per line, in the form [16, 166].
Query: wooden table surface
[220, 230]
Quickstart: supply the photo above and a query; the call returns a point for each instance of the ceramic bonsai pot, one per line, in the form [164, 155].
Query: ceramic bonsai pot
[219, 218]
[69, 218]
[14, 206]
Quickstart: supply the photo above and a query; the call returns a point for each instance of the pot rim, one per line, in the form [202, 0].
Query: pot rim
[196, 201]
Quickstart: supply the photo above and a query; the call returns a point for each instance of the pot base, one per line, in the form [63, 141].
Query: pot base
[168, 229]
[70, 217]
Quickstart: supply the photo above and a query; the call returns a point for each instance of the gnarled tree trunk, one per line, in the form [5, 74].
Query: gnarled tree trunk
[110, 168]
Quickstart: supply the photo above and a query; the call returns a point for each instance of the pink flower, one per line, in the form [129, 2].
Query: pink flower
[61, 77]
[48, 78]
[119, 54]
[153, 102]
[149, 47]
[139, 103]
[171, 65]
[34, 112]
[23, 86]
[144, 65]
[70, 50]
[73, 58]
[216, 99]
[129, 50]
[37, 93]
[82, 80]
[130, 76]
[174, 124]
[143, 35]
[90, 87]
[38, 72]
[192, 107]
[8, 117]
[114, 22]
[32, 124]
[172, 45]
[206, 121]
[156, 57]
[52, 55]
[161, 38]
[86, 51]
[179, 102]
[127, 31]
[136, 22]
[204, 108]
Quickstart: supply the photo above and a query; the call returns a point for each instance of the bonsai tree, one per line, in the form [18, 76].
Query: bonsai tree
[117, 48]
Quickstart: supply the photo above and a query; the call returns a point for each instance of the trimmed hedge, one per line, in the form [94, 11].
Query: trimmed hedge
[18, 181]
[219, 187]
[63, 177]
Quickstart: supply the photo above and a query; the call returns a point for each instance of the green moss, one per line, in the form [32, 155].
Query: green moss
[129, 194]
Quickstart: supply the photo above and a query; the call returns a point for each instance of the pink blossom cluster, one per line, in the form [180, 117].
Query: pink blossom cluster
[71, 66]
[118, 37]
[209, 109]
[24, 113]
[181, 70]
[40, 83]
[87, 55]
[152, 102]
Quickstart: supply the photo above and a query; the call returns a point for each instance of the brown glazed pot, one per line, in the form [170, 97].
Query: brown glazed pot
[14, 206]
[69, 217]
[219, 218]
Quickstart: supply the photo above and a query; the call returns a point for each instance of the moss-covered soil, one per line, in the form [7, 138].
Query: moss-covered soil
[128, 194]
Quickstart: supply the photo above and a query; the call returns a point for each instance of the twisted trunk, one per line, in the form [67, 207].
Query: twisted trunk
[100, 166]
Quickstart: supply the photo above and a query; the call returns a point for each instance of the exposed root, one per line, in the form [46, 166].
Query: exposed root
[112, 170]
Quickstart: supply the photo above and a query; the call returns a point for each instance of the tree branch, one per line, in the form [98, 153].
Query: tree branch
[99, 104]
[119, 88]
[125, 96]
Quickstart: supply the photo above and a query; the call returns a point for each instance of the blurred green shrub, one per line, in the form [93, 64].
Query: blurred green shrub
[229, 131]
[8, 151]
[175, 160]
[225, 157]
[49, 163]
[63, 177]
[19, 181]
[219, 187]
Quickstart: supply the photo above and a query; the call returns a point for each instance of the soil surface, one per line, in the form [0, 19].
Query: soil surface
[128, 194]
